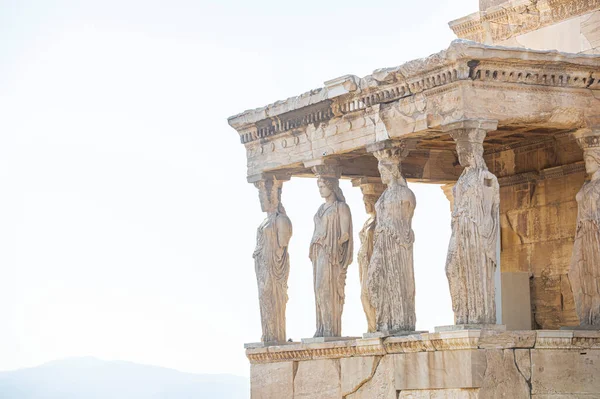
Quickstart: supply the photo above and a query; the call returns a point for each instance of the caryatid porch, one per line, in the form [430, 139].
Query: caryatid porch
[528, 109]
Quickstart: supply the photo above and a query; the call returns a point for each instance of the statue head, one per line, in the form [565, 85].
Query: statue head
[269, 193]
[591, 156]
[329, 186]
[590, 144]
[328, 180]
[469, 146]
[390, 163]
[324, 189]
[370, 201]
[470, 154]
[390, 172]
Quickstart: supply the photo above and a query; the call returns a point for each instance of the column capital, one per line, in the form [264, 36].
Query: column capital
[321, 162]
[587, 138]
[369, 185]
[480, 124]
[279, 176]
[405, 146]
[327, 168]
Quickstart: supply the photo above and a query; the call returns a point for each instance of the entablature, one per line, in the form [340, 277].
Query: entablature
[532, 94]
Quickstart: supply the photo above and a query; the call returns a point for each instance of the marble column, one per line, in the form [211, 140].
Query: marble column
[584, 270]
[331, 250]
[271, 258]
[473, 250]
[371, 188]
[391, 280]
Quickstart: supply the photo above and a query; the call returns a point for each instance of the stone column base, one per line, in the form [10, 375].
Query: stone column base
[582, 328]
[318, 340]
[385, 334]
[468, 364]
[463, 327]
[253, 345]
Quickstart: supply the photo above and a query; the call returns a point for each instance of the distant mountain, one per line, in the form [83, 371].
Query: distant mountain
[91, 378]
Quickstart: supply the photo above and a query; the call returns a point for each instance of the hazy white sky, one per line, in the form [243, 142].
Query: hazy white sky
[126, 223]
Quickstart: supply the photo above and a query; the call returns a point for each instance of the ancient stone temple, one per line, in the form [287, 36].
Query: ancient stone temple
[512, 131]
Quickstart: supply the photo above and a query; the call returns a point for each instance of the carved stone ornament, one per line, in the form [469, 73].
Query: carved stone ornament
[371, 190]
[391, 281]
[472, 252]
[584, 271]
[330, 252]
[514, 18]
[271, 260]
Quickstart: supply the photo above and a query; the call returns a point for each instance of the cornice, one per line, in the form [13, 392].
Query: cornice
[517, 17]
[428, 342]
[462, 61]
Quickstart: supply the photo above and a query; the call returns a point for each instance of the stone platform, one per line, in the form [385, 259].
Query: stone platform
[543, 364]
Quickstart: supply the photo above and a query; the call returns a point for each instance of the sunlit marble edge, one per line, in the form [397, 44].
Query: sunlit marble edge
[427, 342]
[459, 49]
[320, 340]
[386, 334]
[464, 327]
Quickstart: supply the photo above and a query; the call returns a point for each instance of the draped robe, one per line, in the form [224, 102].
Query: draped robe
[367, 235]
[472, 253]
[391, 280]
[584, 271]
[272, 267]
[330, 261]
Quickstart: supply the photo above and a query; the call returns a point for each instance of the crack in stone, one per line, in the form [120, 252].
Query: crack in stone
[510, 224]
[369, 378]
[294, 372]
[528, 381]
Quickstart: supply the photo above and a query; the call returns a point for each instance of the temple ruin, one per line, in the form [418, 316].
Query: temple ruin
[511, 128]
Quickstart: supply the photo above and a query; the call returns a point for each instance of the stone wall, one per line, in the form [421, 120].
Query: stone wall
[576, 35]
[538, 220]
[452, 365]
[571, 26]
[485, 4]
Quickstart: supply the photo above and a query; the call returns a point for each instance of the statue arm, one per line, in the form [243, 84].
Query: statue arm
[495, 214]
[345, 224]
[284, 231]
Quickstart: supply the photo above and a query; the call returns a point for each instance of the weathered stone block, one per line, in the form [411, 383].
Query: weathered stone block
[440, 369]
[565, 372]
[516, 196]
[485, 4]
[515, 257]
[272, 381]
[544, 223]
[567, 396]
[440, 394]
[552, 301]
[356, 371]
[523, 360]
[502, 378]
[381, 385]
[551, 257]
[318, 379]
[558, 190]
[506, 340]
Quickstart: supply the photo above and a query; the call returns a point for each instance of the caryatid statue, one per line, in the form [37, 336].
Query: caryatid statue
[371, 188]
[472, 253]
[584, 272]
[271, 260]
[391, 278]
[330, 252]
